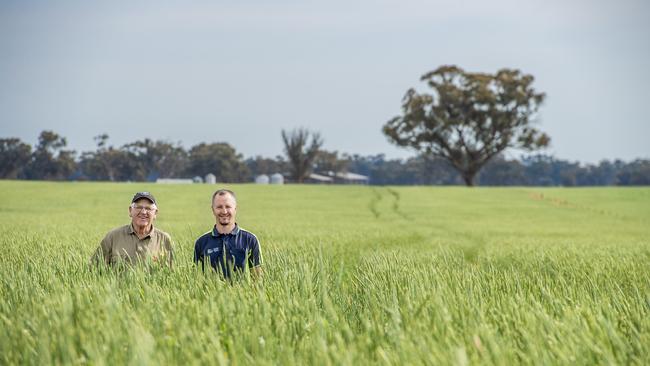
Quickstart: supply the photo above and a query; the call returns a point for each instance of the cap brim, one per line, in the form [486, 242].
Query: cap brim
[145, 197]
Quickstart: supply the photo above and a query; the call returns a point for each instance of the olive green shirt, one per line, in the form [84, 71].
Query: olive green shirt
[123, 245]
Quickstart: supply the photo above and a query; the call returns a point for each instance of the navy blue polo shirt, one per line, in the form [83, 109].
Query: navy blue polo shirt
[237, 247]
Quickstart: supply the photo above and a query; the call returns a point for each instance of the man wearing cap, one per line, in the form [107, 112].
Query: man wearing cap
[138, 241]
[228, 248]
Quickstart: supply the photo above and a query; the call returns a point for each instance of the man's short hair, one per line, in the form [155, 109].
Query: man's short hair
[223, 192]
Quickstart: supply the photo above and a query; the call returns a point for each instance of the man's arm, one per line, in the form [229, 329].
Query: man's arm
[198, 256]
[169, 248]
[255, 260]
[102, 253]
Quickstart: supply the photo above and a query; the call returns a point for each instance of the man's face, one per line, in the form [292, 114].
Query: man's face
[224, 208]
[142, 212]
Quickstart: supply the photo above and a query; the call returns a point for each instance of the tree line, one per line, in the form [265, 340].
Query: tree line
[460, 128]
[147, 160]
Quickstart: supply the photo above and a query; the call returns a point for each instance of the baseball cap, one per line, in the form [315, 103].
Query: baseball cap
[146, 195]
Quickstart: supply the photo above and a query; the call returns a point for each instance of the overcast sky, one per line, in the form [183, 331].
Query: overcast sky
[240, 71]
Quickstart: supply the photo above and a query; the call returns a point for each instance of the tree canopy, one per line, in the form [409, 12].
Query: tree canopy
[14, 155]
[469, 117]
[158, 158]
[125, 163]
[49, 160]
[108, 163]
[302, 148]
[220, 159]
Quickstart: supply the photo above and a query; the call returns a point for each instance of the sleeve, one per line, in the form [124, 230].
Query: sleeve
[198, 256]
[169, 248]
[255, 258]
[102, 253]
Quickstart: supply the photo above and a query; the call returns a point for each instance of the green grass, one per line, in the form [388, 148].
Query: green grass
[353, 275]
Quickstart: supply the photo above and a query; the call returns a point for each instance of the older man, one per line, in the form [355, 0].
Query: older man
[228, 247]
[138, 241]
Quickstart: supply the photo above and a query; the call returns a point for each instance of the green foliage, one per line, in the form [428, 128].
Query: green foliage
[330, 161]
[261, 165]
[14, 155]
[135, 161]
[636, 172]
[158, 158]
[220, 159]
[469, 118]
[108, 163]
[49, 160]
[147, 160]
[353, 275]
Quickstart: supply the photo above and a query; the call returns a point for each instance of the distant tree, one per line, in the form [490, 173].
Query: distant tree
[108, 163]
[393, 172]
[220, 159]
[362, 164]
[419, 170]
[430, 169]
[301, 147]
[469, 118]
[49, 160]
[570, 175]
[260, 165]
[382, 171]
[158, 158]
[543, 170]
[635, 173]
[540, 170]
[14, 156]
[92, 165]
[604, 174]
[502, 172]
[330, 161]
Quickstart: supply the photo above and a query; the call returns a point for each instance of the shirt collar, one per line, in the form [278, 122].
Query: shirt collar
[131, 230]
[234, 231]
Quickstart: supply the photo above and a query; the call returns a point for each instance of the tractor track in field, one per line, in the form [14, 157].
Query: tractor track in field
[396, 202]
[376, 198]
[374, 201]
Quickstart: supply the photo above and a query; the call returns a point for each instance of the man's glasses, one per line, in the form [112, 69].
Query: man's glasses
[146, 209]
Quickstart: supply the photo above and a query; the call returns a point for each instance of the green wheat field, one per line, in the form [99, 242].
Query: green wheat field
[353, 275]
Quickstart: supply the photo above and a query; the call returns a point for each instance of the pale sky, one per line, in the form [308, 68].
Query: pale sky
[240, 71]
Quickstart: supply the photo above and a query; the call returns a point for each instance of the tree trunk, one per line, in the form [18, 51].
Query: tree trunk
[468, 177]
